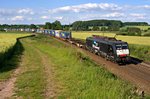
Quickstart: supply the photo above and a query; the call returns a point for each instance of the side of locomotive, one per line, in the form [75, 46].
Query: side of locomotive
[114, 50]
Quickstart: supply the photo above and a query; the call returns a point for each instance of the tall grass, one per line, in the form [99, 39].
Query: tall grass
[140, 51]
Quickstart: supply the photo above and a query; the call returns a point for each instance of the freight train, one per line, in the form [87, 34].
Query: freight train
[107, 47]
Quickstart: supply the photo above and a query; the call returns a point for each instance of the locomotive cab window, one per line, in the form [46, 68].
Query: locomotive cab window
[124, 46]
[121, 46]
[118, 47]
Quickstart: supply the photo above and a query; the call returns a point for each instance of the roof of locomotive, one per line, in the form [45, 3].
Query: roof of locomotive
[108, 41]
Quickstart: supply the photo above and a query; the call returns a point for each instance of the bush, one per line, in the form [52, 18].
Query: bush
[103, 28]
[95, 28]
[133, 31]
[146, 34]
[2, 30]
[113, 28]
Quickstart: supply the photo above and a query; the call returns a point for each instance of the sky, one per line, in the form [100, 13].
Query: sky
[68, 11]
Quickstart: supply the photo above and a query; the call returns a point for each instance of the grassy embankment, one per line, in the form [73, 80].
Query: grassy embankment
[75, 75]
[139, 46]
[10, 50]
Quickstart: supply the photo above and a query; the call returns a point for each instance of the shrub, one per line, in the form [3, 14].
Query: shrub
[146, 34]
[133, 31]
[96, 28]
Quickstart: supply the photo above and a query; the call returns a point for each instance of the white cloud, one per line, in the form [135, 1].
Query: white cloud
[113, 15]
[145, 6]
[87, 7]
[44, 17]
[138, 16]
[26, 11]
[29, 19]
[58, 18]
[51, 17]
[17, 18]
[6, 12]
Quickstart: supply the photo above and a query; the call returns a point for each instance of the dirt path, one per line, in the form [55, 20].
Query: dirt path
[7, 87]
[51, 85]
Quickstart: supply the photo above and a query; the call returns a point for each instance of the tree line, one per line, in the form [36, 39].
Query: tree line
[55, 25]
[103, 25]
[91, 25]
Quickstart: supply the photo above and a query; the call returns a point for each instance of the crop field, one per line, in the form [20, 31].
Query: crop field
[9, 39]
[7, 42]
[130, 39]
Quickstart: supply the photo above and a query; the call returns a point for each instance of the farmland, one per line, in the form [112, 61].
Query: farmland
[7, 47]
[9, 39]
[130, 39]
[47, 72]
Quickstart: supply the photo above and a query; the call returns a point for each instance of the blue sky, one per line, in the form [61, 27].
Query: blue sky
[68, 11]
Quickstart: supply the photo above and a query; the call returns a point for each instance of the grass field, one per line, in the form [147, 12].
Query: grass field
[73, 77]
[130, 39]
[141, 27]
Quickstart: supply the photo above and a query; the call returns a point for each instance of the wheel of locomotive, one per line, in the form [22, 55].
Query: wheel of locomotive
[99, 54]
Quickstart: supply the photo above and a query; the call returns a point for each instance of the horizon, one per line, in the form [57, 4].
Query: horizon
[67, 12]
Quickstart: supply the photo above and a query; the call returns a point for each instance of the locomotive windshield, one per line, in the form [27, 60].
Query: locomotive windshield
[121, 46]
[124, 46]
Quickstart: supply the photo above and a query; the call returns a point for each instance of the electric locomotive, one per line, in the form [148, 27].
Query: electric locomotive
[109, 48]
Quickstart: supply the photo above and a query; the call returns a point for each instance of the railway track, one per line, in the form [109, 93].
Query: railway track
[137, 72]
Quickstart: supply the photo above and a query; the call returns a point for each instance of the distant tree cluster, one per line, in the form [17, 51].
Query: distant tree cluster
[135, 23]
[55, 25]
[84, 25]
[131, 31]
[6, 26]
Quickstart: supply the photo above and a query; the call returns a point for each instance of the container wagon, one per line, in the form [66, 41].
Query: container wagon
[65, 35]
